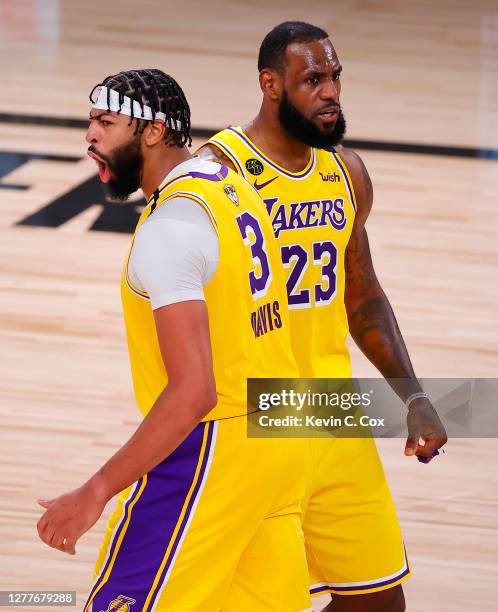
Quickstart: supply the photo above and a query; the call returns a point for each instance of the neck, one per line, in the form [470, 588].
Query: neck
[267, 133]
[157, 167]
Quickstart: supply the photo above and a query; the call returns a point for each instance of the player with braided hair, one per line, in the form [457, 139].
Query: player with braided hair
[157, 90]
[194, 491]
[155, 95]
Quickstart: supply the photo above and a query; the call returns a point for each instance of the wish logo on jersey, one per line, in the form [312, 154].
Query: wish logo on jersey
[120, 604]
[301, 215]
[329, 177]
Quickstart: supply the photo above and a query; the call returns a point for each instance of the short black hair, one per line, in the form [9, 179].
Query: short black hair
[275, 43]
[161, 92]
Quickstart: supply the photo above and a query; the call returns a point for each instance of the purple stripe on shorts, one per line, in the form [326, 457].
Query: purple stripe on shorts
[320, 589]
[372, 586]
[153, 520]
[363, 587]
[116, 537]
[192, 501]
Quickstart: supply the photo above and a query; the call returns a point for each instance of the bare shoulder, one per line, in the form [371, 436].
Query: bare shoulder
[362, 183]
[211, 152]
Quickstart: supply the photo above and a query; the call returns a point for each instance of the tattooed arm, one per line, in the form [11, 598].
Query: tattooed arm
[372, 323]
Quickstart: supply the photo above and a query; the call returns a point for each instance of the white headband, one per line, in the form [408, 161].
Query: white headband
[139, 112]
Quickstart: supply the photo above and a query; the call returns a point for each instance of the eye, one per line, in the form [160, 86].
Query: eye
[313, 80]
[105, 123]
[336, 76]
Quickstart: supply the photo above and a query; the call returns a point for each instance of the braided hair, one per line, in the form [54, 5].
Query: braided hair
[160, 92]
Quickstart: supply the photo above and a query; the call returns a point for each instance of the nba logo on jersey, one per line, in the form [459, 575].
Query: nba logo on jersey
[120, 604]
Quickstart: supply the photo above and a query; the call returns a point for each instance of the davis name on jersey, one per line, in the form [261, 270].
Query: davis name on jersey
[266, 319]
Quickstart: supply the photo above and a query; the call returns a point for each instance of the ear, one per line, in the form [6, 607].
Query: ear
[271, 84]
[154, 133]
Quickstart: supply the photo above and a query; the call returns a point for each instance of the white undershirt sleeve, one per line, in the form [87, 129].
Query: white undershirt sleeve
[175, 253]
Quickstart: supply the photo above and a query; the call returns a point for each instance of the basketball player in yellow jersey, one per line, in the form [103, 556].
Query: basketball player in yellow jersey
[196, 493]
[318, 195]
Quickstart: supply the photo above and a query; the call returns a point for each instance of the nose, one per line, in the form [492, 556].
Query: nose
[331, 90]
[92, 133]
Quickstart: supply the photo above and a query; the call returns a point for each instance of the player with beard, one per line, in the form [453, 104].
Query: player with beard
[194, 491]
[120, 170]
[318, 195]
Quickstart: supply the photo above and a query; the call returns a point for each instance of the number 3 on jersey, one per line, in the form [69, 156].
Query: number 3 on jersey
[323, 254]
[260, 277]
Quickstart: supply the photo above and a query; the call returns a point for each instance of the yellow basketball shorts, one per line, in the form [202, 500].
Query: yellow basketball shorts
[177, 536]
[353, 539]
[352, 535]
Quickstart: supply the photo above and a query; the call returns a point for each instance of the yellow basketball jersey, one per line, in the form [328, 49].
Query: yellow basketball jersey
[246, 298]
[312, 214]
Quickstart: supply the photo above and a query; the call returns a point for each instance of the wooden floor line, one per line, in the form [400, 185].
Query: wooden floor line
[354, 143]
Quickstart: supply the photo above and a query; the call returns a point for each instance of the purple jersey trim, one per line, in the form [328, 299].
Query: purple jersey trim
[143, 295]
[165, 186]
[230, 154]
[220, 175]
[270, 163]
[365, 586]
[346, 179]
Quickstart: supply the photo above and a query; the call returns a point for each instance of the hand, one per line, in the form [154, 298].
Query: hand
[423, 422]
[69, 516]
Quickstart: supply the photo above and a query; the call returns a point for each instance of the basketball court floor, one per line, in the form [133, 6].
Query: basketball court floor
[420, 94]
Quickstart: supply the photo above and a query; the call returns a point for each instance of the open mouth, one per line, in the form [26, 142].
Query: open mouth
[329, 115]
[104, 172]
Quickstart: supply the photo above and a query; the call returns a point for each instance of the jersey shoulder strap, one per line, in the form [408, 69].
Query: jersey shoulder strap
[231, 142]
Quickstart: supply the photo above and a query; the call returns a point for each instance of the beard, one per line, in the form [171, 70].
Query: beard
[125, 164]
[304, 130]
